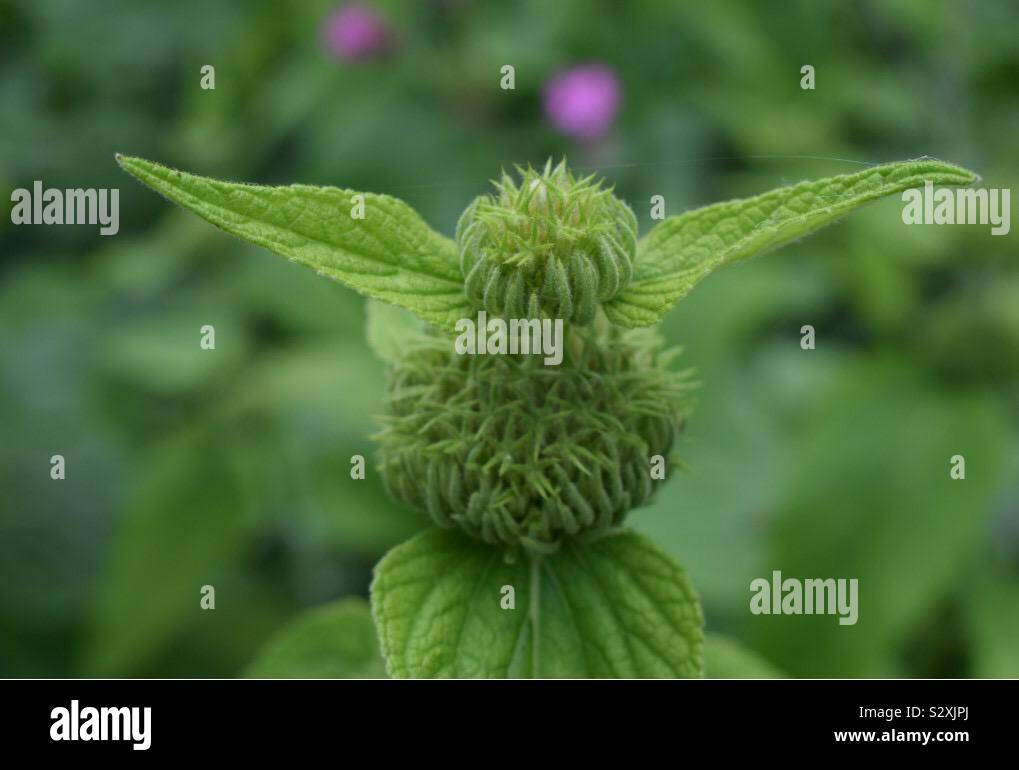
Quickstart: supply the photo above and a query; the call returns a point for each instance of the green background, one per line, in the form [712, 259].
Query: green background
[231, 468]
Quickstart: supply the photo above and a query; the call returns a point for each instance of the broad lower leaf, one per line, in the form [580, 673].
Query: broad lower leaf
[614, 607]
[390, 254]
[336, 641]
[725, 658]
[681, 251]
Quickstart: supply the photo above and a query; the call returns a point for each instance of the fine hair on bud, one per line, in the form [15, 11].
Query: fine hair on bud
[546, 245]
[522, 454]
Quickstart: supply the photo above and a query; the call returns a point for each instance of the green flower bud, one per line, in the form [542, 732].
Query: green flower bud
[550, 246]
[518, 453]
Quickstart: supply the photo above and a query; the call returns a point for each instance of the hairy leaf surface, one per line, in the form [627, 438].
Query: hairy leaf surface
[390, 254]
[681, 251]
[614, 607]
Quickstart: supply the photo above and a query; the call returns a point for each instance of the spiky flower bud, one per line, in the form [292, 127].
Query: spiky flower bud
[548, 246]
[518, 453]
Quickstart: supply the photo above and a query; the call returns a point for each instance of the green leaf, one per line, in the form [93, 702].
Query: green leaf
[185, 524]
[679, 252]
[614, 607]
[336, 641]
[158, 353]
[390, 254]
[725, 658]
[869, 495]
[388, 328]
[992, 599]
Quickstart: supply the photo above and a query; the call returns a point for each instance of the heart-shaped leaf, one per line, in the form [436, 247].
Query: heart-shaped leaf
[614, 607]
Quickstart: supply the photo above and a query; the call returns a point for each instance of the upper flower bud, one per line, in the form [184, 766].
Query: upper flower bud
[548, 246]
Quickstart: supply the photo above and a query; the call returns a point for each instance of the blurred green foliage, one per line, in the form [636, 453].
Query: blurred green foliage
[187, 467]
[334, 641]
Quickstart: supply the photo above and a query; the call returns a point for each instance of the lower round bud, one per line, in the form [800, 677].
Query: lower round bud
[519, 453]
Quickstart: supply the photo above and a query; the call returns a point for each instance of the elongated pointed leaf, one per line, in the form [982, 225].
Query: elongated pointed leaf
[616, 607]
[390, 254]
[681, 251]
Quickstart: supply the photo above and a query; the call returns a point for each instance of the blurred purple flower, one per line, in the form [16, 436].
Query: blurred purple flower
[355, 32]
[582, 102]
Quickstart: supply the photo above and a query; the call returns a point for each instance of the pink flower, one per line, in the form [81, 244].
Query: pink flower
[355, 32]
[582, 102]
